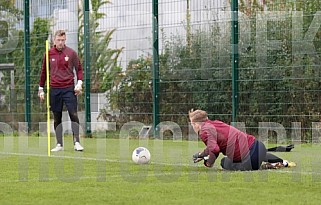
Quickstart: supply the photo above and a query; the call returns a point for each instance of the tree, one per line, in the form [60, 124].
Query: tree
[39, 35]
[132, 92]
[103, 59]
[189, 77]
[8, 6]
[285, 91]
[9, 16]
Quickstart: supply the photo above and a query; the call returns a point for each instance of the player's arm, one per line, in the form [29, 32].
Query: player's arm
[79, 73]
[210, 159]
[43, 73]
[212, 149]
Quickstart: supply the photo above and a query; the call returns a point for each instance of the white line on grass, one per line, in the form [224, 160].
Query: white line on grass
[154, 163]
[88, 158]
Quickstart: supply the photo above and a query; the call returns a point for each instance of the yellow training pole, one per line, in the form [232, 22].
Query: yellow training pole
[48, 102]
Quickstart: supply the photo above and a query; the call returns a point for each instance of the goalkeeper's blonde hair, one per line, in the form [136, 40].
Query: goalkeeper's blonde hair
[197, 115]
[60, 33]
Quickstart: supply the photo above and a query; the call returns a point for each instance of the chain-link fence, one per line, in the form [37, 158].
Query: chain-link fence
[274, 75]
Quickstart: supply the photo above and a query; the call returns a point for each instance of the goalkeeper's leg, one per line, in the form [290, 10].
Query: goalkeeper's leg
[70, 100]
[228, 164]
[58, 127]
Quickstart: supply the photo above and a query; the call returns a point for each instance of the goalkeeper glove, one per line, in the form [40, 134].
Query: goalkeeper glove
[41, 93]
[209, 160]
[78, 87]
[206, 164]
[199, 157]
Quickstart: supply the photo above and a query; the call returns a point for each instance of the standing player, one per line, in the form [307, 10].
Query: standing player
[62, 63]
[242, 151]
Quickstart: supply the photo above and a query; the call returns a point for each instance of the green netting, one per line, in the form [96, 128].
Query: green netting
[278, 70]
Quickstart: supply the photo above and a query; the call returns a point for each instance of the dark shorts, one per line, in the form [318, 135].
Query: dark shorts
[60, 96]
[257, 154]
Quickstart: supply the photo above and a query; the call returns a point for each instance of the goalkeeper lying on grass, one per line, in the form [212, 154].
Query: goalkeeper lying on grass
[242, 151]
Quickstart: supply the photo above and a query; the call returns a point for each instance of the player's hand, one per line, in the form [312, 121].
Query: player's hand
[207, 162]
[41, 94]
[78, 87]
[197, 157]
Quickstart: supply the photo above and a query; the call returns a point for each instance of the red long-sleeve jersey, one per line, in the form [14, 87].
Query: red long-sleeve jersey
[61, 68]
[220, 137]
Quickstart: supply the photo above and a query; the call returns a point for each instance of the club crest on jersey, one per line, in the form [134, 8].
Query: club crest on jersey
[66, 58]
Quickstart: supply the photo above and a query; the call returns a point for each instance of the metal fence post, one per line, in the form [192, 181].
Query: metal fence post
[155, 69]
[235, 57]
[27, 64]
[87, 68]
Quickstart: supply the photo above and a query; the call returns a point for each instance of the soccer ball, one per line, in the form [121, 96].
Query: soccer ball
[141, 155]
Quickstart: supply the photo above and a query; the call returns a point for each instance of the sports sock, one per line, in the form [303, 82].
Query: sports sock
[285, 163]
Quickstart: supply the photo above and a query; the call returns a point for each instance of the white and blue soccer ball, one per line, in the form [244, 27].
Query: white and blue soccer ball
[141, 155]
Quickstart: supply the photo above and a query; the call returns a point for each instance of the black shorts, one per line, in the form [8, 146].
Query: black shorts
[257, 154]
[60, 96]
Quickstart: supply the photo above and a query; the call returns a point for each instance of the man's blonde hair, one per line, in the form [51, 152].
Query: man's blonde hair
[197, 115]
[60, 33]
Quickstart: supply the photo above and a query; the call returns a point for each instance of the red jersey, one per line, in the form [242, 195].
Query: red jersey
[61, 66]
[221, 137]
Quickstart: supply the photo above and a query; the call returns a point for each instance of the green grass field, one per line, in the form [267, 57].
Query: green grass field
[105, 174]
